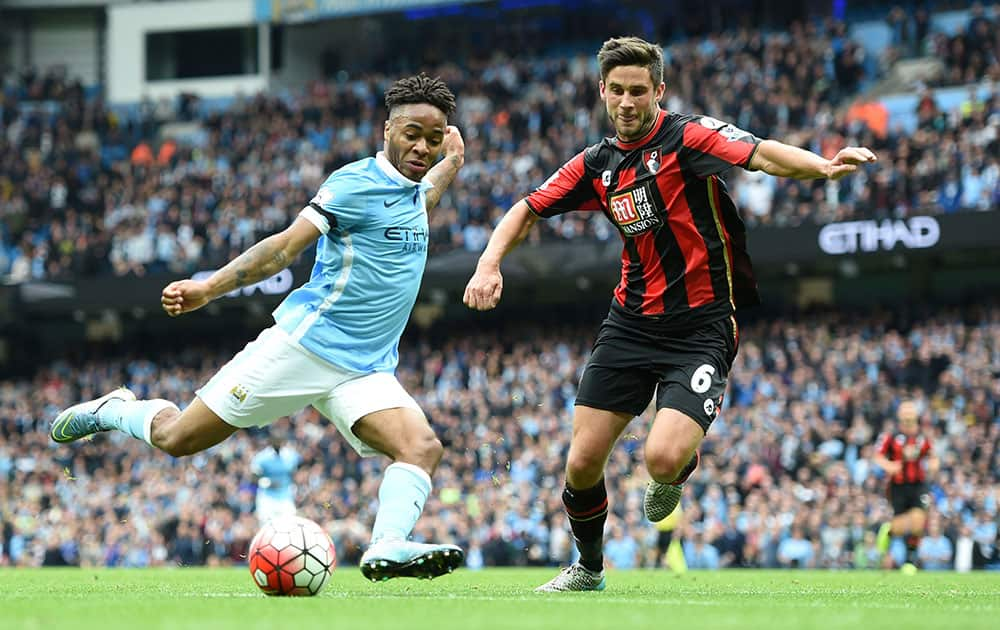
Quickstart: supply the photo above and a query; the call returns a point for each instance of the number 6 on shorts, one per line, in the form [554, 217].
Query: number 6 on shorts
[701, 380]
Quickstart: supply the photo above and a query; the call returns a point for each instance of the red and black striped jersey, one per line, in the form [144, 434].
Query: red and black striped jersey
[909, 449]
[684, 259]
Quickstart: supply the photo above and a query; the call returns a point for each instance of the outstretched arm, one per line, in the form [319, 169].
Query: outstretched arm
[261, 261]
[443, 173]
[784, 160]
[484, 289]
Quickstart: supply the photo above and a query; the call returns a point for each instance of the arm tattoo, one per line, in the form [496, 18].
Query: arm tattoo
[261, 261]
[441, 176]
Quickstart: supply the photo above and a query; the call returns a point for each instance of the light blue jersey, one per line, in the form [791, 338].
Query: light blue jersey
[277, 467]
[369, 264]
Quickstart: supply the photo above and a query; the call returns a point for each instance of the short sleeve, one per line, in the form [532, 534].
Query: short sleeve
[339, 204]
[567, 190]
[882, 447]
[711, 147]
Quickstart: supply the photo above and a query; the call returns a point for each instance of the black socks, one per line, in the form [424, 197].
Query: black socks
[588, 511]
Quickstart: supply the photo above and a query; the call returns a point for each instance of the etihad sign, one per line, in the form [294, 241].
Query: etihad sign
[872, 236]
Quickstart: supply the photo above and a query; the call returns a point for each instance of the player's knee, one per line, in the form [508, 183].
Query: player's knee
[665, 464]
[433, 450]
[425, 451]
[584, 469]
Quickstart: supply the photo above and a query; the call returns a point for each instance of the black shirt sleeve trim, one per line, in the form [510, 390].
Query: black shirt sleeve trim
[746, 164]
[330, 217]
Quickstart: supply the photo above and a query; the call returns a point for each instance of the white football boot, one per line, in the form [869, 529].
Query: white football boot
[84, 419]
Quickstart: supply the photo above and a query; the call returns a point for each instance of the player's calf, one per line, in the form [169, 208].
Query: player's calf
[180, 434]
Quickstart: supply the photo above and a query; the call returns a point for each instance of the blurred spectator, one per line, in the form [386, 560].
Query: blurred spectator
[700, 554]
[773, 489]
[935, 549]
[795, 551]
[621, 549]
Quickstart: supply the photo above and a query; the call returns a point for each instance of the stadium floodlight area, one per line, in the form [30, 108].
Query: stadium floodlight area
[292, 11]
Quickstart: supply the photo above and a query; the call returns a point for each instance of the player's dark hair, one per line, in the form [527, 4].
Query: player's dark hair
[420, 89]
[631, 51]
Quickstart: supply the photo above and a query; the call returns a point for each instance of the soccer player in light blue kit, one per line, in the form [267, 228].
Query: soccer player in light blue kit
[334, 345]
[274, 468]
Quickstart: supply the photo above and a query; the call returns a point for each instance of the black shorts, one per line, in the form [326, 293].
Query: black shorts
[687, 371]
[907, 496]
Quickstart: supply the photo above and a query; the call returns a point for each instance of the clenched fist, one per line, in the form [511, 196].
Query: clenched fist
[484, 289]
[184, 296]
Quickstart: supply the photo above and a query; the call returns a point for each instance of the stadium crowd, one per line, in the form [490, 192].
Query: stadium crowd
[787, 478]
[969, 54]
[179, 186]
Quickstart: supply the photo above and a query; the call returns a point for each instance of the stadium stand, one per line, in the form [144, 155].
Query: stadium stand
[791, 453]
[102, 193]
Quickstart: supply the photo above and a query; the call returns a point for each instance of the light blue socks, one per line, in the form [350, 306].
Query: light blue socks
[134, 417]
[401, 498]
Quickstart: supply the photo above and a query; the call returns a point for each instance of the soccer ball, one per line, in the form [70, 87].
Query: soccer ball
[291, 555]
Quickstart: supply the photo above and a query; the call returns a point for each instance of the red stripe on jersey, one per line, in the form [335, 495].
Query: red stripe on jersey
[893, 447]
[649, 260]
[652, 273]
[710, 141]
[900, 477]
[567, 190]
[697, 275]
[625, 179]
[883, 446]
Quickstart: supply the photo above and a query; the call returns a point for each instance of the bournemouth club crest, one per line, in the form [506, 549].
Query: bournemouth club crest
[651, 160]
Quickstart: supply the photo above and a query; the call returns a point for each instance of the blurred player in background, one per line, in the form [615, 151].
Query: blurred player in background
[903, 455]
[335, 342]
[685, 269]
[274, 468]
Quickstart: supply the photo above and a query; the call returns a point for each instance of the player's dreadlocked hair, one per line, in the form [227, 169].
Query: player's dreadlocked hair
[420, 89]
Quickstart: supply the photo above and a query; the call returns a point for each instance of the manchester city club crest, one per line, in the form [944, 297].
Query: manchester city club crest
[651, 160]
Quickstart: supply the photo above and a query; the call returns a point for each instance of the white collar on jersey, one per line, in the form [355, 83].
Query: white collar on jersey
[386, 166]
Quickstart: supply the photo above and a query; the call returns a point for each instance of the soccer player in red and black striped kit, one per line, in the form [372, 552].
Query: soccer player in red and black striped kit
[685, 269]
[905, 455]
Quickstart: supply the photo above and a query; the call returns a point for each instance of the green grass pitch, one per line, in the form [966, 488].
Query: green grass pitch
[500, 598]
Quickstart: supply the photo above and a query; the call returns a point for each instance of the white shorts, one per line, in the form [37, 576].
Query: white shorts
[269, 507]
[273, 377]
